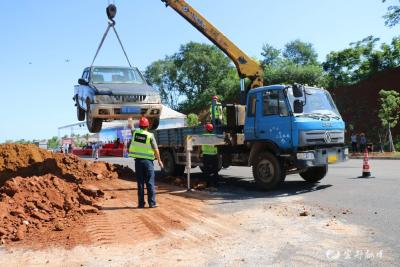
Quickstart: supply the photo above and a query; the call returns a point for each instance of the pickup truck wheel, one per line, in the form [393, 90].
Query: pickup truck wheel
[314, 174]
[154, 123]
[170, 167]
[94, 125]
[80, 113]
[267, 171]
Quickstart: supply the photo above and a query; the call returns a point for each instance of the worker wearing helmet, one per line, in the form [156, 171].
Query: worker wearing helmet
[218, 111]
[144, 150]
[210, 159]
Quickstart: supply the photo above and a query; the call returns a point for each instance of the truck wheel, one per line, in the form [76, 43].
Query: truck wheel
[314, 174]
[267, 171]
[80, 113]
[94, 125]
[154, 123]
[170, 167]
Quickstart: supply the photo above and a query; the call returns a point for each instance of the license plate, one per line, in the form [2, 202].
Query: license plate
[130, 110]
[332, 158]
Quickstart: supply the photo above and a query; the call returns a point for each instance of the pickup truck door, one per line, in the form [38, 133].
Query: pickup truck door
[273, 122]
[82, 90]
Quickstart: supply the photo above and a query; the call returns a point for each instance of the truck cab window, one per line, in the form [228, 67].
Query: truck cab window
[251, 112]
[274, 103]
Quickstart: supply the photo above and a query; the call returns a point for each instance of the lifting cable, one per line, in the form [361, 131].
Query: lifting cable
[111, 12]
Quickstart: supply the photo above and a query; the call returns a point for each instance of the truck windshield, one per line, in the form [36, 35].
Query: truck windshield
[116, 75]
[317, 102]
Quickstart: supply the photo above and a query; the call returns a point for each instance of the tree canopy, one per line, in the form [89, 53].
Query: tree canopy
[392, 17]
[360, 61]
[296, 63]
[189, 78]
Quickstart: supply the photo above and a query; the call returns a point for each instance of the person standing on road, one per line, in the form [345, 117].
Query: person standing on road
[218, 111]
[363, 142]
[210, 159]
[144, 150]
[354, 142]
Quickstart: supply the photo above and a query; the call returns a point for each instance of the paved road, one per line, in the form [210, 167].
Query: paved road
[373, 204]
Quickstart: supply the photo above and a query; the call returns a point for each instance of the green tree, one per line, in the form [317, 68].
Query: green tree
[270, 55]
[300, 53]
[297, 63]
[162, 75]
[360, 61]
[188, 79]
[389, 111]
[392, 17]
[192, 120]
[53, 142]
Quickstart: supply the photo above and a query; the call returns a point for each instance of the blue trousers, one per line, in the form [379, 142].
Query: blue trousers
[145, 175]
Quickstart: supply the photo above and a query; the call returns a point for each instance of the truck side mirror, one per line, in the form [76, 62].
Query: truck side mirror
[82, 82]
[298, 106]
[297, 90]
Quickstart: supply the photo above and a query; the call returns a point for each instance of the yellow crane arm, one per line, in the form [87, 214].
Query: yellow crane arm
[246, 66]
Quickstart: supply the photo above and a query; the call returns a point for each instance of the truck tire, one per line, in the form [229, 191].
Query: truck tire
[267, 171]
[94, 125]
[170, 167]
[80, 113]
[314, 174]
[154, 123]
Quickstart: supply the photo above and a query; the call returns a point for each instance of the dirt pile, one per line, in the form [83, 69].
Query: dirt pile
[30, 204]
[42, 191]
[29, 160]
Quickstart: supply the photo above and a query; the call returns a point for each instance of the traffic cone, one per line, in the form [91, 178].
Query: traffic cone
[366, 171]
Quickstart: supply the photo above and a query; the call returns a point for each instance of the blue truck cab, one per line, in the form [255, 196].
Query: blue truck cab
[306, 133]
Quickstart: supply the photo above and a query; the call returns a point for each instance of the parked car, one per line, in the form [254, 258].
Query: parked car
[115, 93]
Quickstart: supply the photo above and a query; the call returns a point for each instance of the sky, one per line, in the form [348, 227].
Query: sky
[46, 44]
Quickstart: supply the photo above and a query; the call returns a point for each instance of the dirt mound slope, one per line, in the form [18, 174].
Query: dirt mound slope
[29, 160]
[42, 191]
[28, 205]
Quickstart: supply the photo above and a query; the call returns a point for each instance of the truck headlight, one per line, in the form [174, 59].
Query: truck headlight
[306, 156]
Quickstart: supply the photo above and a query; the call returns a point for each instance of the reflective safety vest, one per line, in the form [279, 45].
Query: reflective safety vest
[218, 111]
[140, 147]
[209, 149]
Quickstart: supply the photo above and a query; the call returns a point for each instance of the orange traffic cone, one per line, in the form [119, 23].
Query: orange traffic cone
[366, 172]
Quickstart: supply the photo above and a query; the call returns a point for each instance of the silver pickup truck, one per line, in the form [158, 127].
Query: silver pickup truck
[115, 93]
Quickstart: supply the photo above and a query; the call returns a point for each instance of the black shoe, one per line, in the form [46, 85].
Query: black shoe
[140, 207]
[153, 206]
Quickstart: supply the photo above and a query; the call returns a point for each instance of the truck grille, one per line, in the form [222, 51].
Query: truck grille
[308, 138]
[129, 98]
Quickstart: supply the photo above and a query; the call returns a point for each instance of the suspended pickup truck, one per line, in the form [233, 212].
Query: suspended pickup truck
[115, 93]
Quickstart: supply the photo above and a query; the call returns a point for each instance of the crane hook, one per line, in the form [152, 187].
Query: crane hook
[111, 11]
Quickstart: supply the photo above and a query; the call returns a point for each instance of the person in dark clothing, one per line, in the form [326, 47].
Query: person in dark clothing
[354, 143]
[210, 160]
[363, 142]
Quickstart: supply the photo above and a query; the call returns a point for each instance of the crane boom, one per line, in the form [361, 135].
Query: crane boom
[245, 65]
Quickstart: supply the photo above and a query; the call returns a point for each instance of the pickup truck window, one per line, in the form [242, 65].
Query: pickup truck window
[116, 75]
[274, 103]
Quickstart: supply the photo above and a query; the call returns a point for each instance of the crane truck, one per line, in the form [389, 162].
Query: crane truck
[278, 130]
